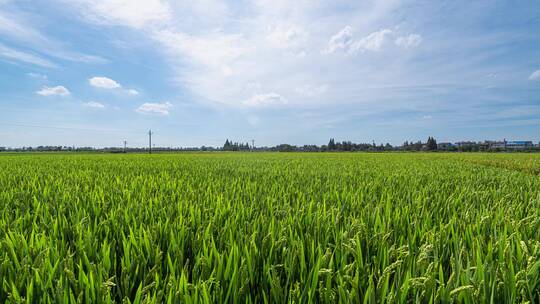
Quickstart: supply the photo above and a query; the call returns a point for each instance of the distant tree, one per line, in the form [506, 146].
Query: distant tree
[331, 144]
[417, 146]
[406, 145]
[285, 148]
[431, 144]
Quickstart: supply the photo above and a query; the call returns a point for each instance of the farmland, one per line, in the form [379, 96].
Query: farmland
[263, 227]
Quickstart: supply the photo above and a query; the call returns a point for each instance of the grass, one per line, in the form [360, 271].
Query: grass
[270, 228]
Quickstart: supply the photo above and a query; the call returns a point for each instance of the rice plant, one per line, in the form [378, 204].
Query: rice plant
[270, 228]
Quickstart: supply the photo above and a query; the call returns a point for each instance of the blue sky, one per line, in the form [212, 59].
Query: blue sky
[97, 72]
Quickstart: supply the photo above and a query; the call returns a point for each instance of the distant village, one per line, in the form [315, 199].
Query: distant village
[490, 145]
[333, 146]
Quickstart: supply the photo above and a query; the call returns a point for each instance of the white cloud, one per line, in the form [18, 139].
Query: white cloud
[155, 108]
[535, 75]
[94, 104]
[132, 92]
[133, 13]
[58, 90]
[372, 42]
[104, 83]
[427, 117]
[12, 54]
[269, 99]
[410, 41]
[216, 50]
[212, 50]
[208, 62]
[344, 40]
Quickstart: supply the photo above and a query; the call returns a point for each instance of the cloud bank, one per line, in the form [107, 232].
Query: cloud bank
[219, 50]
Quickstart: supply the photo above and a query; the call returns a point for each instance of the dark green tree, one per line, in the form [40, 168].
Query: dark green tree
[227, 145]
[431, 144]
[331, 144]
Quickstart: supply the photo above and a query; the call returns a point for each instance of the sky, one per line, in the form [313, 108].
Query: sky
[98, 72]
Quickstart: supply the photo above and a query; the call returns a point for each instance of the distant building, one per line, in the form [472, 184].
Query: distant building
[519, 144]
[497, 144]
[444, 145]
[465, 143]
[514, 144]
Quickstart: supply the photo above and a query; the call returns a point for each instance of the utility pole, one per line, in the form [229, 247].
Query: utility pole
[150, 141]
[125, 145]
[253, 144]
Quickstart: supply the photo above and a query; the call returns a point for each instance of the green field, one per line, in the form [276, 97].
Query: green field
[274, 228]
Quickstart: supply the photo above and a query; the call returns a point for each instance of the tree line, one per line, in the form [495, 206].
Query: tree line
[430, 145]
[332, 146]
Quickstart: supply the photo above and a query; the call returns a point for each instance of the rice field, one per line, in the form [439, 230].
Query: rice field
[270, 228]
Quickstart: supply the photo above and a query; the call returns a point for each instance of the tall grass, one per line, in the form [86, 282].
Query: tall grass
[270, 228]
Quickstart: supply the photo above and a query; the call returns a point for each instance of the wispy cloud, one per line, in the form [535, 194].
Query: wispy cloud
[37, 76]
[372, 42]
[341, 40]
[16, 55]
[409, 41]
[267, 99]
[49, 91]
[344, 40]
[18, 27]
[133, 13]
[12, 25]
